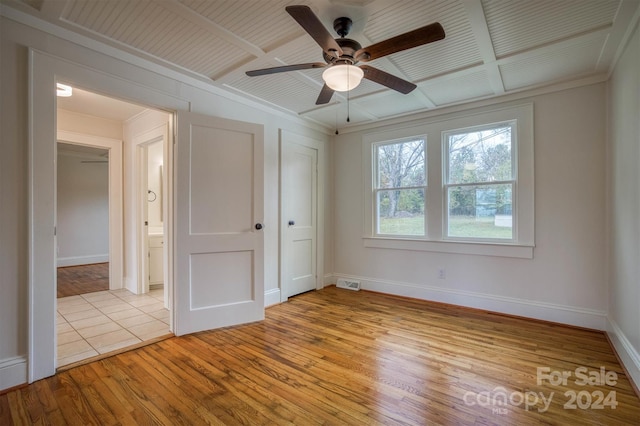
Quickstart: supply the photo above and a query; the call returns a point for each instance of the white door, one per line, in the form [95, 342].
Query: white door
[299, 200]
[219, 240]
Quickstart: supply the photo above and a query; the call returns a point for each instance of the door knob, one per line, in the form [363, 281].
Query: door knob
[291, 223]
[259, 226]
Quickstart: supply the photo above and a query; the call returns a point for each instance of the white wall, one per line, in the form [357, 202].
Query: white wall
[565, 280]
[154, 86]
[624, 207]
[154, 183]
[82, 209]
[71, 121]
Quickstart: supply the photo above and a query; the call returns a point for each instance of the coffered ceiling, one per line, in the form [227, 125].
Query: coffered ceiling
[492, 47]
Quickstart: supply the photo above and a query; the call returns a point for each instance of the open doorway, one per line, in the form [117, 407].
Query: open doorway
[96, 321]
[82, 194]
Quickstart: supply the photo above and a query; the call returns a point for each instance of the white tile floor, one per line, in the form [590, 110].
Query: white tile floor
[97, 323]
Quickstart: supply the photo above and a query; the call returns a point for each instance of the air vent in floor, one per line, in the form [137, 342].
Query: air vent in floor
[348, 284]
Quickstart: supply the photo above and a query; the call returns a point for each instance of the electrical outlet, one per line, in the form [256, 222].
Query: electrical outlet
[442, 273]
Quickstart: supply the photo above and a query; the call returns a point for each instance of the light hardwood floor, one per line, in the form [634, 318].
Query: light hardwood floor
[346, 358]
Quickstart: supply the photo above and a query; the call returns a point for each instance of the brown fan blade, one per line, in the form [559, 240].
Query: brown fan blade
[312, 25]
[428, 34]
[325, 95]
[285, 68]
[386, 79]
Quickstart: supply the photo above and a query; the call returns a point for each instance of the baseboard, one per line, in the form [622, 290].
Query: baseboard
[329, 279]
[13, 372]
[82, 260]
[271, 297]
[628, 355]
[570, 315]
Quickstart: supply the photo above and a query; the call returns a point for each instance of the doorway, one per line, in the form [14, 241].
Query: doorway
[151, 211]
[301, 188]
[92, 324]
[82, 231]
[190, 251]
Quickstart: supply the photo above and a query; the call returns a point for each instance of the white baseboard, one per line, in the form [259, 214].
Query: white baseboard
[628, 355]
[571, 315]
[271, 297]
[13, 372]
[82, 260]
[329, 279]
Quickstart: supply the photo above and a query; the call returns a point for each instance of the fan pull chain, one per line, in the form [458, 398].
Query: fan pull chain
[348, 93]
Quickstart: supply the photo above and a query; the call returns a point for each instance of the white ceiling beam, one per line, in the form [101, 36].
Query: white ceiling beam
[480, 29]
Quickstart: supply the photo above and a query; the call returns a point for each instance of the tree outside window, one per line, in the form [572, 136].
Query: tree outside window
[479, 183]
[400, 188]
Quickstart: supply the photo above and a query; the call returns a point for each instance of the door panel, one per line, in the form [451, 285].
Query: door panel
[299, 187]
[222, 168]
[219, 200]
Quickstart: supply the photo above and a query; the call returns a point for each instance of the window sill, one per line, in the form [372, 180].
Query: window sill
[480, 248]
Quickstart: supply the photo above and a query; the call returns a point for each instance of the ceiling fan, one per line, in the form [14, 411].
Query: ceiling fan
[342, 54]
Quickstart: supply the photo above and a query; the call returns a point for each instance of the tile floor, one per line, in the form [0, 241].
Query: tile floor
[97, 323]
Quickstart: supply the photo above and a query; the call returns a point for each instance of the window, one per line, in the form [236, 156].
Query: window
[479, 182]
[400, 188]
[457, 183]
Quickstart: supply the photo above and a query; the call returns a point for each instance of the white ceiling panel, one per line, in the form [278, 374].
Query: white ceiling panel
[335, 115]
[458, 50]
[516, 26]
[285, 91]
[391, 104]
[262, 23]
[491, 48]
[149, 27]
[551, 66]
[446, 91]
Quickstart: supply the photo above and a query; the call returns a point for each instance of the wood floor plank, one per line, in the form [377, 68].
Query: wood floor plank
[82, 279]
[336, 357]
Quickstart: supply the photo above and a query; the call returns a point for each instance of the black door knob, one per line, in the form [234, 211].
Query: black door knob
[259, 226]
[291, 223]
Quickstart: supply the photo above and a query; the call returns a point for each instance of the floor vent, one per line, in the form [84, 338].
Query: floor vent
[348, 284]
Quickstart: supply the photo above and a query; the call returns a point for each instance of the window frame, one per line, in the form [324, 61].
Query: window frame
[377, 189]
[431, 130]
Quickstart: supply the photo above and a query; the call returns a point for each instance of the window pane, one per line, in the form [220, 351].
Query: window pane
[401, 212]
[480, 156]
[481, 211]
[401, 164]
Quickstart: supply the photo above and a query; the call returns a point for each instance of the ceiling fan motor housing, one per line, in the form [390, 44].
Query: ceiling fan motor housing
[349, 48]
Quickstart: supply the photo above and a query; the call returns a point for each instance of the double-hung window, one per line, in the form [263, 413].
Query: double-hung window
[479, 182]
[400, 187]
[458, 183]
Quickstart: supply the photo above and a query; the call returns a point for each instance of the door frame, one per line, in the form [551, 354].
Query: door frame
[140, 143]
[44, 71]
[116, 213]
[288, 137]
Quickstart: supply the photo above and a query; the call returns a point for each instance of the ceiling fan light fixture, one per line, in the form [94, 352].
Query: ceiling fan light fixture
[63, 90]
[343, 77]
